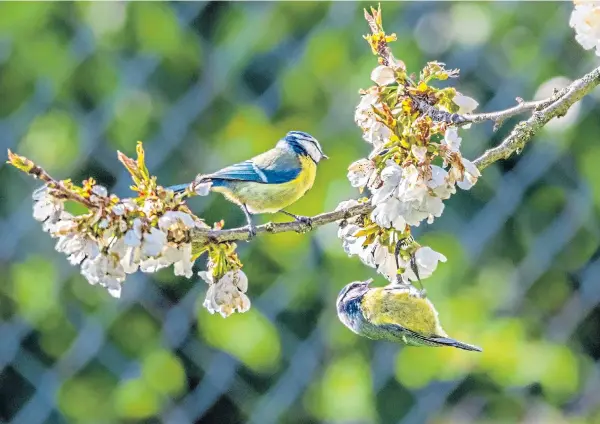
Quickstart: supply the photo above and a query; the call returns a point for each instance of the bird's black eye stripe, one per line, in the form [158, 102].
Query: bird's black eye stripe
[347, 290]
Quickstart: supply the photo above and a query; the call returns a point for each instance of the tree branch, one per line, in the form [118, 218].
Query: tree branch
[522, 107]
[201, 236]
[525, 130]
[545, 110]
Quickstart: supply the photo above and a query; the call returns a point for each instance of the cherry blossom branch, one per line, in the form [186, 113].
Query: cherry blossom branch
[38, 172]
[522, 107]
[525, 130]
[544, 111]
[202, 236]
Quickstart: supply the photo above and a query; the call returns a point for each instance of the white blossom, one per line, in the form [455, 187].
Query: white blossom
[119, 209]
[465, 104]
[77, 247]
[228, 294]
[149, 207]
[106, 271]
[352, 244]
[132, 242]
[374, 132]
[383, 75]
[181, 258]
[46, 207]
[171, 218]
[377, 135]
[391, 177]
[419, 152]
[389, 214]
[406, 198]
[451, 139]
[470, 177]
[412, 185]
[203, 189]
[130, 261]
[585, 19]
[427, 261]
[151, 265]
[133, 237]
[64, 224]
[361, 172]
[440, 183]
[153, 242]
[99, 191]
[431, 206]
[385, 262]
[363, 115]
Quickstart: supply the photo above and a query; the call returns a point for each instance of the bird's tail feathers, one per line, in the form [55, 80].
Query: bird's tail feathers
[442, 341]
[180, 188]
[447, 341]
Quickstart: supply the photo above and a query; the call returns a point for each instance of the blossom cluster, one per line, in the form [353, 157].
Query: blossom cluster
[376, 247]
[227, 294]
[117, 237]
[415, 163]
[585, 20]
[152, 231]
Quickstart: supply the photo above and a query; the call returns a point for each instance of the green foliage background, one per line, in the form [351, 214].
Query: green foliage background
[205, 85]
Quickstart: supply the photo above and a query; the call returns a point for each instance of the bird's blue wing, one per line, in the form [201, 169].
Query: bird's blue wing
[269, 168]
[243, 171]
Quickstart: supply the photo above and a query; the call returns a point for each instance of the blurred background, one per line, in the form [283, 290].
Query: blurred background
[208, 84]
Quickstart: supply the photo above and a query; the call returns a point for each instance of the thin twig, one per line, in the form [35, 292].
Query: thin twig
[525, 130]
[40, 173]
[201, 236]
[522, 107]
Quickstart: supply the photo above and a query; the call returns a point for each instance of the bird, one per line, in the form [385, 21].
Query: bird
[394, 313]
[269, 182]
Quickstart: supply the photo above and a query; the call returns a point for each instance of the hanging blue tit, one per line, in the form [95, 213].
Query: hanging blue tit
[271, 181]
[394, 313]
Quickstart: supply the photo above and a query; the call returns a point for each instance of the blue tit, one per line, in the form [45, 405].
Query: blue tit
[271, 181]
[394, 313]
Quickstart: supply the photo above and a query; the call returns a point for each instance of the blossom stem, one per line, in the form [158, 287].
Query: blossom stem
[41, 174]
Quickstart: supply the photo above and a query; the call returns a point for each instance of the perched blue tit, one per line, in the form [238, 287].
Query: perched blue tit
[393, 313]
[271, 181]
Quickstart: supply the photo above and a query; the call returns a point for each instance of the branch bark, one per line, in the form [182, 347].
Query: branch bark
[522, 107]
[525, 130]
[544, 111]
[201, 236]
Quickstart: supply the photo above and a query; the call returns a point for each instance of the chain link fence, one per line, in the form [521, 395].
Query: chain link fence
[206, 84]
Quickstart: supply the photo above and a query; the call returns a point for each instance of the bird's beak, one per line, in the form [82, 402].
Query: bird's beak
[324, 156]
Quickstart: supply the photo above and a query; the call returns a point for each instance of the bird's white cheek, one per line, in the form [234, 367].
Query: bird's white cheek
[312, 150]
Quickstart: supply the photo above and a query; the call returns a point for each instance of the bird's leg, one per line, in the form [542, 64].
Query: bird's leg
[413, 265]
[415, 269]
[303, 219]
[251, 226]
[399, 280]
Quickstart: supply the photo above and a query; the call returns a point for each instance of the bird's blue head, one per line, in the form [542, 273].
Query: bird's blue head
[304, 144]
[349, 303]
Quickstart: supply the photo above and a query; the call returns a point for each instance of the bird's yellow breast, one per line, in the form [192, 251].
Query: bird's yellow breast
[271, 198]
[385, 306]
